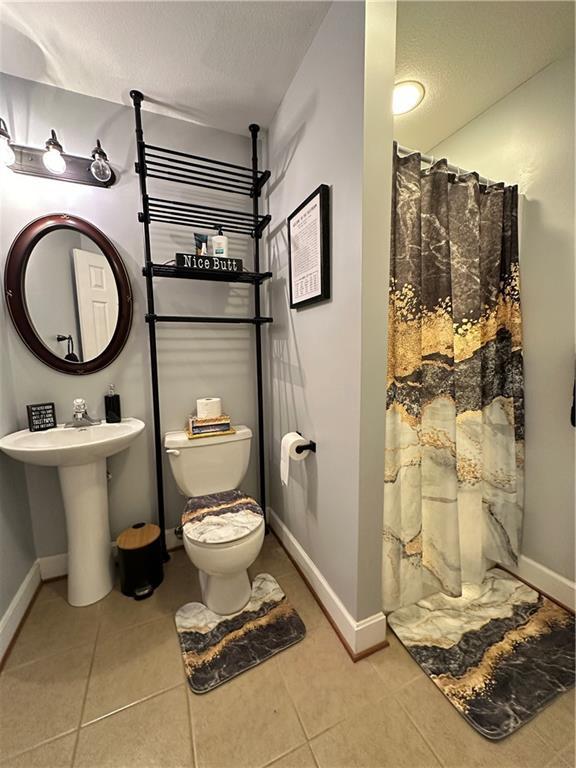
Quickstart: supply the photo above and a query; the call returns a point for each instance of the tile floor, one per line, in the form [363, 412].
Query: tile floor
[104, 686]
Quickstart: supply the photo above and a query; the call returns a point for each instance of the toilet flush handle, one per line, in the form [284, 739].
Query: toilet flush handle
[174, 451]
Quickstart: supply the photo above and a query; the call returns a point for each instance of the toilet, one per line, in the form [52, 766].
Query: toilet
[222, 527]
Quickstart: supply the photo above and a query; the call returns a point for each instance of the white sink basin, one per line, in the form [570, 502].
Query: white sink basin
[70, 446]
[80, 454]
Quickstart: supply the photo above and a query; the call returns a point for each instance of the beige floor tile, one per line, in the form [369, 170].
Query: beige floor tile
[180, 586]
[52, 590]
[245, 723]
[395, 665]
[324, 682]
[272, 559]
[152, 734]
[179, 557]
[300, 758]
[568, 755]
[132, 665]
[42, 700]
[375, 736]
[52, 627]
[556, 723]
[55, 754]
[457, 744]
[302, 599]
[564, 759]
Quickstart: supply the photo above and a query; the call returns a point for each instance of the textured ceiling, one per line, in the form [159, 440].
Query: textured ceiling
[224, 64]
[468, 55]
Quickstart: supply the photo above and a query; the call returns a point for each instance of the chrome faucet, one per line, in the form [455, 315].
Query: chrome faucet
[80, 416]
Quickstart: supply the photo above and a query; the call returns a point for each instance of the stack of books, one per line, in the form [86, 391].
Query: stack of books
[211, 426]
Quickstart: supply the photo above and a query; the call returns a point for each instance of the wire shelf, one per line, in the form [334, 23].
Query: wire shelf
[198, 171]
[205, 217]
[170, 270]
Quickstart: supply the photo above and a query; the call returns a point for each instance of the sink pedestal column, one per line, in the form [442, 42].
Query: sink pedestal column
[90, 566]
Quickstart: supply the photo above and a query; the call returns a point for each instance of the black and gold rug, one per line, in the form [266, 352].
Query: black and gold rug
[500, 653]
[217, 648]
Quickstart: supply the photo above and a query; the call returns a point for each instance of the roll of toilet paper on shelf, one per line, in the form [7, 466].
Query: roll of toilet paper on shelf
[290, 442]
[209, 407]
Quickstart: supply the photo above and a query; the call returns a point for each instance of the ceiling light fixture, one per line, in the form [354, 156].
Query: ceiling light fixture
[52, 158]
[407, 95]
[100, 168]
[7, 156]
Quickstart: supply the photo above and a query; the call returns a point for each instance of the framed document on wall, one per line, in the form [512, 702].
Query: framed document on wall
[309, 249]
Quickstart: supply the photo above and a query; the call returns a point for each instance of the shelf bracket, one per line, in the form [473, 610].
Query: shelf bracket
[257, 189]
[262, 224]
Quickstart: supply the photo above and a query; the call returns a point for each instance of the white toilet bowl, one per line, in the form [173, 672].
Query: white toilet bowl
[223, 568]
[223, 529]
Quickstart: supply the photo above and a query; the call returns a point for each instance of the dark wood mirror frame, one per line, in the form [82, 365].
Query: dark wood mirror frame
[14, 275]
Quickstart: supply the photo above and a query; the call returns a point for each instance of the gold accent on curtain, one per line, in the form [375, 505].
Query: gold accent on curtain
[453, 493]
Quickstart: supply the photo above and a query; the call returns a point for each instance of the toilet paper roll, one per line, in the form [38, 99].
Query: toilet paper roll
[290, 442]
[209, 407]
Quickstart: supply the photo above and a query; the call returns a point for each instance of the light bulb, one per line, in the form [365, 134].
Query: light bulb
[100, 168]
[7, 156]
[407, 96]
[53, 161]
[52, 158]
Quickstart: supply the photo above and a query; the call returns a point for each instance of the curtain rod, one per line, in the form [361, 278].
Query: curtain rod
[430, 160]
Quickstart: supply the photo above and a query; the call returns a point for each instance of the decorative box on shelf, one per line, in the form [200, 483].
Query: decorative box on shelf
[208, 263]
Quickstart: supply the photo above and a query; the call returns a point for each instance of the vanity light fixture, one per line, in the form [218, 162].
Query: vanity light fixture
[100, 167]
[51, 162]
[407, 95]
[7, 156]
[52, 159]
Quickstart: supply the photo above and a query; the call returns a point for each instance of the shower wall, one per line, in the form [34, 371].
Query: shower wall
[527, 138]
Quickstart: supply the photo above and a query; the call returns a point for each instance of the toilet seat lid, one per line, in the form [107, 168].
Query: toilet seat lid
[223, 528]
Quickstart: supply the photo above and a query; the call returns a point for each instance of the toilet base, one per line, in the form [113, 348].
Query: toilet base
[225, 594]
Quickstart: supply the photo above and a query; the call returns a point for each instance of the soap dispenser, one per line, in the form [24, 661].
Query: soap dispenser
[220, 246]
[112, 406]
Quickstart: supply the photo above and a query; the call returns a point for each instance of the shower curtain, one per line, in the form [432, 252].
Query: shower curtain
[455, 413]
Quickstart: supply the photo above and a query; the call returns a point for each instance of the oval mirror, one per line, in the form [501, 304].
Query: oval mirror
[68, 294]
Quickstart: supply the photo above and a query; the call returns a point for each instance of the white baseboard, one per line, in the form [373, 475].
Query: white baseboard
[553, 584]
[10, 622]
[54, 566]
[358, 635]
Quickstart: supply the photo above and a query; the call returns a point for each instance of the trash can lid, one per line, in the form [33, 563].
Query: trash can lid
[140, 535]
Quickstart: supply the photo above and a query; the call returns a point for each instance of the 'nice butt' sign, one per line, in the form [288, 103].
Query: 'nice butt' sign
[208, 263]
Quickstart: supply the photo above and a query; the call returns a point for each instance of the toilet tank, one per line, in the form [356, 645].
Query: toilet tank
[208, 464]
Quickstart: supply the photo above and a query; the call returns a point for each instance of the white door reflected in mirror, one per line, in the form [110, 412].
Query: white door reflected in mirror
[97, 299]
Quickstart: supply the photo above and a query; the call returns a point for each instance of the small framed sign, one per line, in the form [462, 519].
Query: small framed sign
[208, 263]
[41, 416]
[309, 249]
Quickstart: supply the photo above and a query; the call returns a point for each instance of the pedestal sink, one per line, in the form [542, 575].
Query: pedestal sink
[80, 454]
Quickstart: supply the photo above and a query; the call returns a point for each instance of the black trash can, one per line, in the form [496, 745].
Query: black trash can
[140, 560]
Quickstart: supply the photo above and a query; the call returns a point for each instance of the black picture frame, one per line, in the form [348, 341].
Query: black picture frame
[324, 257]
[41, 416]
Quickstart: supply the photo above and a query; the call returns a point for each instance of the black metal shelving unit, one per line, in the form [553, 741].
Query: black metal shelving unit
[165, 164]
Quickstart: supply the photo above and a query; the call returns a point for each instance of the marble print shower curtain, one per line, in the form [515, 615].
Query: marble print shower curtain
[455, 412]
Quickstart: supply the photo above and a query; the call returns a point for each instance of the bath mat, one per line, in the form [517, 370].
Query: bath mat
[217, 648]
[500, 653]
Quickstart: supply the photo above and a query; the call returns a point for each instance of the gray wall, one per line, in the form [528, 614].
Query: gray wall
[16, 540]
[528, 138]
[194, 362]
[317, 354]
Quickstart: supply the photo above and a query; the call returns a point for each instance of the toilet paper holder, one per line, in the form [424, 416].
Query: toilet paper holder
[311, 446]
